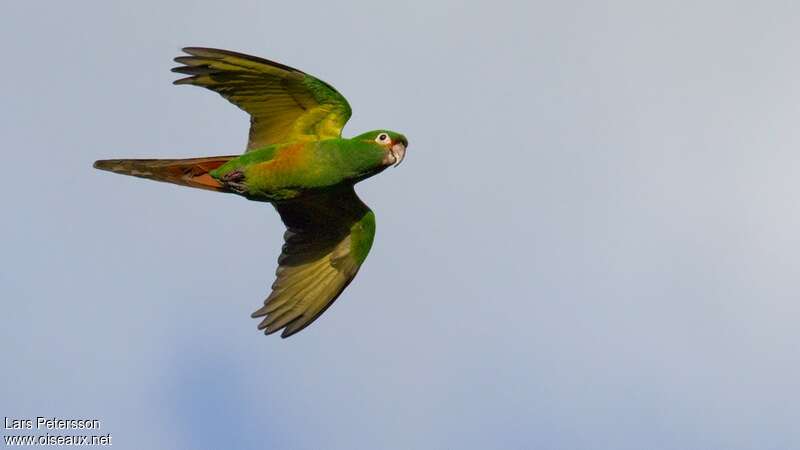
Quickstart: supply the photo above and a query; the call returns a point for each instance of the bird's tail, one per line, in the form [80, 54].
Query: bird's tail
[193, 172]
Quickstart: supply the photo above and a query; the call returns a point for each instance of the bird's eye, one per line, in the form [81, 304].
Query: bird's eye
[382, 138]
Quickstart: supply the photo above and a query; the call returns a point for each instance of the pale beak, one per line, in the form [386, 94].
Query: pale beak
[399, 152]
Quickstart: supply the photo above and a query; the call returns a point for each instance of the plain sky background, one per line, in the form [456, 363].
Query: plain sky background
[592, 244]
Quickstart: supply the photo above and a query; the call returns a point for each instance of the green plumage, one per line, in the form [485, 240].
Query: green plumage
[297, 160]
[284, 171]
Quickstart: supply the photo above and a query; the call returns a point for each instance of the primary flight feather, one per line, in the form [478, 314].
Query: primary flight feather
[295, 159]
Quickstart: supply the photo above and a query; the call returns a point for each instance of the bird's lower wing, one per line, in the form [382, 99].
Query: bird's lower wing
[328, 237]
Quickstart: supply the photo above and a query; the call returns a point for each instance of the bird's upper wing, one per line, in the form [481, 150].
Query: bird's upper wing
[284, 103]
[328, 236]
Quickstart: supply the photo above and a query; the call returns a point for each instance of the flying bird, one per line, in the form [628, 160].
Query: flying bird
[296, 159]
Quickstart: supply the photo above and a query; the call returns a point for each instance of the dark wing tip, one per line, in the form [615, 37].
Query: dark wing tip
[260, 312]
[295, 326]
[218, 54]
[187, 60]
[196, 51]
[193, 70]
[106, 164]
[267, 331]
[285, 333]
[187, 80]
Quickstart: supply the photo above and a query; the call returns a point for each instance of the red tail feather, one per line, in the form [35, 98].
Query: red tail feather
[192, 172]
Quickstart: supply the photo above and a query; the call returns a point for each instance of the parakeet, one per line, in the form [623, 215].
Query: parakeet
[295, 159]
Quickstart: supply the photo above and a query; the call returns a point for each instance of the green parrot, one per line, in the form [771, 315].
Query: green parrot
[295, 159]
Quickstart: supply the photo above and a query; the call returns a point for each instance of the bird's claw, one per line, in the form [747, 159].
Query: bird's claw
[235, 181]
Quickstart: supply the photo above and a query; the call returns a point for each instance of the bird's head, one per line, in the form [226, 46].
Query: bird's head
[393, 145]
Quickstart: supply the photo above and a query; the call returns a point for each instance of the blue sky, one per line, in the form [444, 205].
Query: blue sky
[592, 242]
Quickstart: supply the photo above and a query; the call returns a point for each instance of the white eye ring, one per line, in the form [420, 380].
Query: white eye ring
[382, 138]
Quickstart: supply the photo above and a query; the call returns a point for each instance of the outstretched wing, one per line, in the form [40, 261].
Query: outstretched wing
[284, 103]
[327, 239]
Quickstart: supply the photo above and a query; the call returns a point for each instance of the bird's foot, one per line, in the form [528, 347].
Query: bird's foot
[235, 181]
